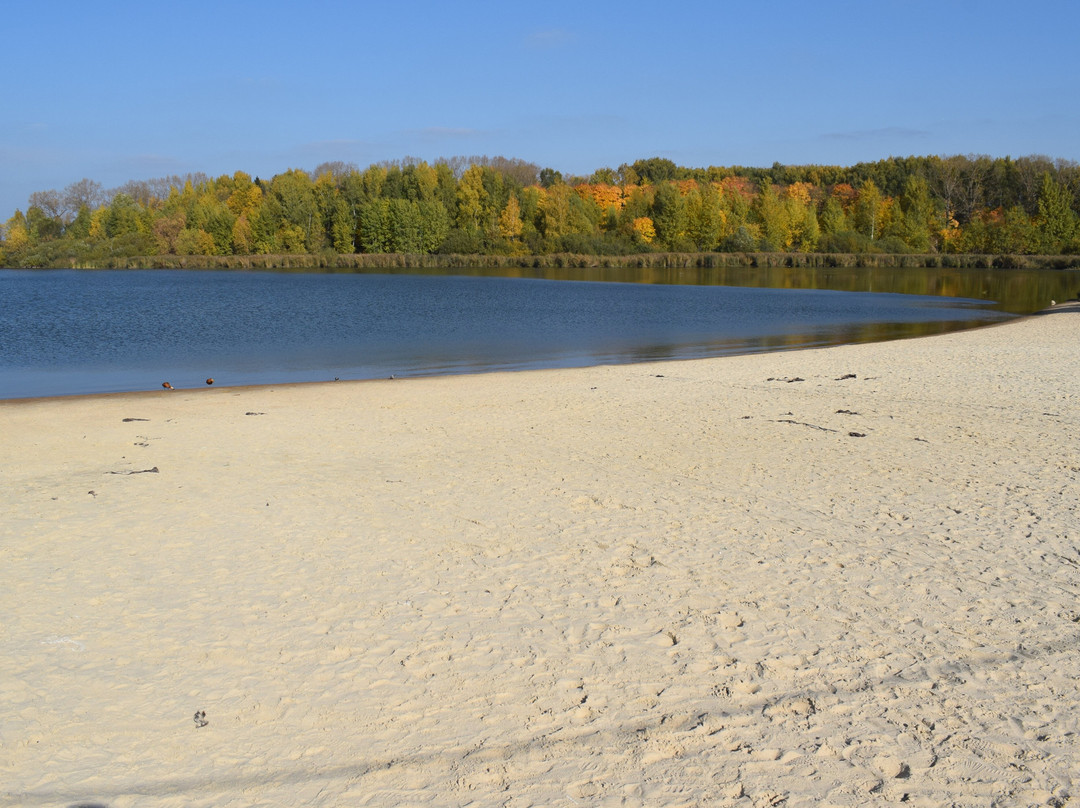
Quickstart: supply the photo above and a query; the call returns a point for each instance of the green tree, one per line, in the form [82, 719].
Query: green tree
[656, 170]
[604, 176]
[43, 227]
[405, 226]
[550, 177]
[434, 224]
[375, 233]
[210, 215]
[419, 182]
[123, 216]
[264, 226]
[1056, 220]
[705, 216]
[296, 194]
[920, 217]
[342, 226]
[1021, 236]
[80, 225]
[771, 215]
[670, 218]
[194, 241]
[832, 218]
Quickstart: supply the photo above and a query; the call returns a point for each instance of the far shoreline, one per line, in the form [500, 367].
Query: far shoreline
[648, 260]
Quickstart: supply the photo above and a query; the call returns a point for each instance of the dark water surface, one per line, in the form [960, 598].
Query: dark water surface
[78, 331]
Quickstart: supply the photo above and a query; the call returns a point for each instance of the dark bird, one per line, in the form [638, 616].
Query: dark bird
[167, 386]
[209, 381]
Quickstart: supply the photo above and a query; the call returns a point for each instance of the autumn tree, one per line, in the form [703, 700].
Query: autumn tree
[167, 229]
[301, 227]
[245, 196]
[801, 217]
[705, 216]
[473, 205]
[472, 200]
[771, 216]
[643, 229]
[16, 236]
[211, 216]
[510, 223]
[554, 213]
[867, 211]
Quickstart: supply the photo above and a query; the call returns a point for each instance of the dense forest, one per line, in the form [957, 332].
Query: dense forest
[473, 206]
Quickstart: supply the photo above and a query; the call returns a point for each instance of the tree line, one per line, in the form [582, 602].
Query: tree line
[508, 207]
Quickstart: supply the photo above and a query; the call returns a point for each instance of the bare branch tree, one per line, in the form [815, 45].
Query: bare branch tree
[84, 192]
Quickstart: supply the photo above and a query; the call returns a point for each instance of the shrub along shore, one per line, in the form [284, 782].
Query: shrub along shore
[366, 261]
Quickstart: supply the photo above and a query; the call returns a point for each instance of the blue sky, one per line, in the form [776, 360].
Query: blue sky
[115, 91]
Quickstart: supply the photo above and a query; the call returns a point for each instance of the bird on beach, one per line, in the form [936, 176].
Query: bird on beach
[167, 386]
[209, 381]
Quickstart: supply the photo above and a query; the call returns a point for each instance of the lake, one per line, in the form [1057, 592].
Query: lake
[66, 332]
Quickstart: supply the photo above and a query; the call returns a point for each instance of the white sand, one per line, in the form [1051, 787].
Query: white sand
[684, 583]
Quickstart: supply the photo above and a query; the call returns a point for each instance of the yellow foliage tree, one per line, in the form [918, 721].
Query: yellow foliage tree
[97, 224]
[952, 237]
[644, 228]
[510, 223]
[243, 240]
[471, 199]
[686, 186]
[17, 235]
[799, 192]
[604, 195]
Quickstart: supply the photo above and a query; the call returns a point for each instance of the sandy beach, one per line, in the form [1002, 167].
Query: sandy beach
[847, 576]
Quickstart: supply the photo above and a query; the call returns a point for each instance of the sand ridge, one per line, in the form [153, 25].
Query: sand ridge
[845, 576]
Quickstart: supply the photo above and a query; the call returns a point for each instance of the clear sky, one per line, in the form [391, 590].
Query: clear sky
[118, 90]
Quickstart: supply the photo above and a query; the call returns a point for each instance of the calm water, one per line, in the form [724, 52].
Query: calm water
[69, 332]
